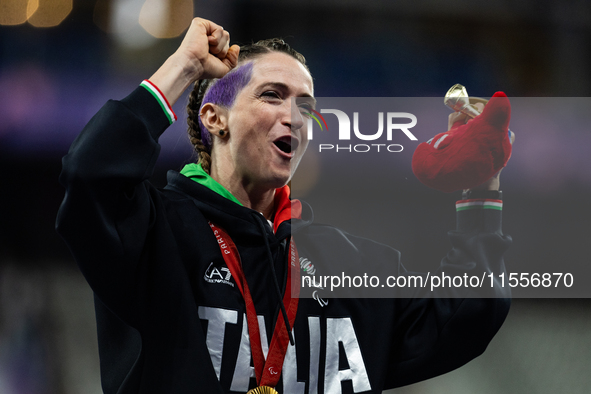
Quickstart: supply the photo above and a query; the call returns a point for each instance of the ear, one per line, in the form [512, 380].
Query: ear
[214, 118]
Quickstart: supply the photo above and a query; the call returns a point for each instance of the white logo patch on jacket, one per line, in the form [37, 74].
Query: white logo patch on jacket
[215, 274]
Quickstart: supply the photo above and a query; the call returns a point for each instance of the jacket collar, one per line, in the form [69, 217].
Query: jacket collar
[235, 218]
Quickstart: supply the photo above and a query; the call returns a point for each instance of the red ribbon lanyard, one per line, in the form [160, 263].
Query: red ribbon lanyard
[267, 373]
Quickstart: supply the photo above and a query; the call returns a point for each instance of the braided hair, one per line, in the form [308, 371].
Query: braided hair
[199, 136]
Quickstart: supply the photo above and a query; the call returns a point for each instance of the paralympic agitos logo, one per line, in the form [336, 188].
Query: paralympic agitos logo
[396, 123]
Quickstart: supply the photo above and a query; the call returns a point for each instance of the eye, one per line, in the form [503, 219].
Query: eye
[305, 109]
[271, 94]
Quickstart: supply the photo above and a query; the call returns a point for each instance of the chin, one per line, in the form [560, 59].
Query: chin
[279, 180]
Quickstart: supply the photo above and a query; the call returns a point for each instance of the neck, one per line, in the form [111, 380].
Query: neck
[260, 199]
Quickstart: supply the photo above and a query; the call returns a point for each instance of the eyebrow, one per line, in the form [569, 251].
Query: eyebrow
[284, 87]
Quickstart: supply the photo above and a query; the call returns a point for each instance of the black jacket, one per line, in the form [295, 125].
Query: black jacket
[170, 318]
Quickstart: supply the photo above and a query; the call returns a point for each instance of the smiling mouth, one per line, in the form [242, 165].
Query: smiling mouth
[287, 144]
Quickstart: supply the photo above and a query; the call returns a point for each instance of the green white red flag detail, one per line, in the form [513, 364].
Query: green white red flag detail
[463, 205]
[159, 96]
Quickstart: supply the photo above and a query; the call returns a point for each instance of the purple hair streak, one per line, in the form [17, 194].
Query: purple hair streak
[223, 92]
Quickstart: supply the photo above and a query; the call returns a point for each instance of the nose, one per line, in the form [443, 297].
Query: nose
[296, 119]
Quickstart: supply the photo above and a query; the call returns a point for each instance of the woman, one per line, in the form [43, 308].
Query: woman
[193, 281]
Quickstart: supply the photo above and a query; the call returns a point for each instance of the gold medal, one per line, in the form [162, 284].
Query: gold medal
[457, 99]
[263, 390]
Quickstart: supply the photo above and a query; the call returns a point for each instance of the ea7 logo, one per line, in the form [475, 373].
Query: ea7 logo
[345, 125]
[218, 275]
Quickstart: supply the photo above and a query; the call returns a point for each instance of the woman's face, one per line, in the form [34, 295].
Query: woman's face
[267, 132]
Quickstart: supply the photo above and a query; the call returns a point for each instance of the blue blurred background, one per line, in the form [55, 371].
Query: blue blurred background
[60, 60]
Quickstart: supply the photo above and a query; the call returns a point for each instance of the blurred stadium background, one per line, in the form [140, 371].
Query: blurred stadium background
[60, 60]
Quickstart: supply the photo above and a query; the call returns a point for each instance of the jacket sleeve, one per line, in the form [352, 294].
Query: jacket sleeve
[441, 331]
[109, 206]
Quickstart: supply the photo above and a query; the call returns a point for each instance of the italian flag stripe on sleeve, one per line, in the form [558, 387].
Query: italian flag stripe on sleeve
[463, 205]
[161, 100]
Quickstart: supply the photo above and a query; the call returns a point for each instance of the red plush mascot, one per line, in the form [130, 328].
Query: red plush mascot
[468, 154]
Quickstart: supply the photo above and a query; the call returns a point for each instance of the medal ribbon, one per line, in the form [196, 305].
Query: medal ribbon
[267, 372]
